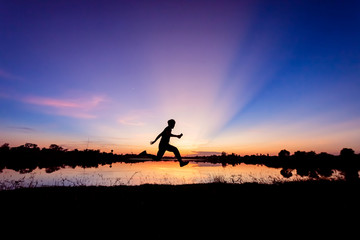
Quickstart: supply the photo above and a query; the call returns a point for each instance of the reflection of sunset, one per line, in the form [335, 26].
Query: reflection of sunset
[149, 172]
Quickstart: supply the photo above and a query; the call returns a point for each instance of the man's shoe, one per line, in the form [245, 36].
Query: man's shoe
[182, 163]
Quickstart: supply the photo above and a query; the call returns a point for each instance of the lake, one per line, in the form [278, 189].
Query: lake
[147, 172]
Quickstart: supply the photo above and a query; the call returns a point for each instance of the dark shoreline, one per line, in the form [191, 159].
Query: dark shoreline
[302, 209]
[318, 194]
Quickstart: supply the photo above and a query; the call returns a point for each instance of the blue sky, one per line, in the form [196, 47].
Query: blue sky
[237, 76]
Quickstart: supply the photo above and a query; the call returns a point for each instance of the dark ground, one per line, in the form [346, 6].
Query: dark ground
[301, 209]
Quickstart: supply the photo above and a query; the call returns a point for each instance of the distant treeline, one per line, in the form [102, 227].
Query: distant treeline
[306, 164]
[28, 157]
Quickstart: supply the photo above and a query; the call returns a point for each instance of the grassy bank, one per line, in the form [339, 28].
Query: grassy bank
[215, 209]
[319, 195]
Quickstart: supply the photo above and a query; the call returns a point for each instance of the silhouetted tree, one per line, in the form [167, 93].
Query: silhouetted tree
[347, 153]
[311, 154]
[350, 168]
[55, 147]
[5, 147]
[31, 146]
[324, 156]
[284, 153]
[300, 154]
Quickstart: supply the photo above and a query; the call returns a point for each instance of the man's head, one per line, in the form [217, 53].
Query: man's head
[171, 123]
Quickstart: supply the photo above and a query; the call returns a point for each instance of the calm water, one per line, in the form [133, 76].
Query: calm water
[162, 172]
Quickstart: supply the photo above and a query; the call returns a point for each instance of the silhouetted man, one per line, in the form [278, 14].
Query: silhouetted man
[164, 143]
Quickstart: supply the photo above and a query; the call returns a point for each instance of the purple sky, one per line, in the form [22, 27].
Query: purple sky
[237, 76]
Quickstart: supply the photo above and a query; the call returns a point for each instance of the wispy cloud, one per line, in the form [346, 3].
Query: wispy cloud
[80, 107]
[8, 76]
[57, 103]
[134, 118]
[22, 129]
[77, 108]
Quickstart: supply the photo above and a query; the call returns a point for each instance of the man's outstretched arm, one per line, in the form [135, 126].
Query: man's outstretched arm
[178, 136]
[152, 142]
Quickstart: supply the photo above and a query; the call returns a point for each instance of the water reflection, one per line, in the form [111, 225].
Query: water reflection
[147, 172]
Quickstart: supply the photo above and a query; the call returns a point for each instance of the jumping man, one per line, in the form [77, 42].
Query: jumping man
[164, 143]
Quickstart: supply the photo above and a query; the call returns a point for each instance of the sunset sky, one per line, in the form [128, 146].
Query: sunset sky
[237, 76]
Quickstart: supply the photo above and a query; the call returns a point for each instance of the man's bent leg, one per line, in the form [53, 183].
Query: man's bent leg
[160, 153]
[173, 149]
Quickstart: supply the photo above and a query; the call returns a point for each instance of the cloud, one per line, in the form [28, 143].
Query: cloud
[83, 106]
[22, 129]
[8, 76]
[77, 108]
[57, 103]
[74, 114]
[135, 118]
